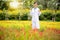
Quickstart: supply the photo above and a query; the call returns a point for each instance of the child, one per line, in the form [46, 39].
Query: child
[35, 12]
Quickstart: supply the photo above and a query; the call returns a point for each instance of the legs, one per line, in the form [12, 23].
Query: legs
[35, 26]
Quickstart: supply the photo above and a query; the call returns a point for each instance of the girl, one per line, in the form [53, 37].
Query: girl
[35, 12]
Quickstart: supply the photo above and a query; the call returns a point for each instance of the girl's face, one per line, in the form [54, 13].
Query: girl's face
[35, 5]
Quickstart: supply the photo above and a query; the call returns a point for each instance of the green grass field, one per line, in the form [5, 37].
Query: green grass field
[22, 30]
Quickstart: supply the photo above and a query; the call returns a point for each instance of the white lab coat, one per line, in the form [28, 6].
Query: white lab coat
[35, 18]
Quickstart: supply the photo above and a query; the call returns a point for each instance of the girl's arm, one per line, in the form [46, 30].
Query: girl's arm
[39, 12]
[31, 13]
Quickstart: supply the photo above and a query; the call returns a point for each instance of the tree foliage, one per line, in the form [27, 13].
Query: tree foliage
[43, 4]
[3, 5]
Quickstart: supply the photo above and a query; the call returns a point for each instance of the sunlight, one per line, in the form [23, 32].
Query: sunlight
[14, 4]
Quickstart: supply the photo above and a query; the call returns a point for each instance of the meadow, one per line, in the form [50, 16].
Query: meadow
[22, 30]
[13, 12]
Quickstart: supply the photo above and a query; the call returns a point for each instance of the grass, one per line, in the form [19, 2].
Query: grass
[43, 24]
[21, 30]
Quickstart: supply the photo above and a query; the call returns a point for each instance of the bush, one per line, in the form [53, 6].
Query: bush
[12, 17]
[24, 17]
[57, 17]
[45, 16]
[2, 16]
[41, 17]
[48, 16]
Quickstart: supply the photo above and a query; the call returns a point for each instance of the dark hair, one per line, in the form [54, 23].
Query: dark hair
[35, 2]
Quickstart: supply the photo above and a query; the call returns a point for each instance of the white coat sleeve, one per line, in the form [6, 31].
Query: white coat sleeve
[39, 12]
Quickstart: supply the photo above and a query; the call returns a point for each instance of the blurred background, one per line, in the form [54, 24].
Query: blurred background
[20, 9]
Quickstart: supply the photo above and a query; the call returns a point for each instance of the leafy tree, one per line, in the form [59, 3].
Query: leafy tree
[3, 5]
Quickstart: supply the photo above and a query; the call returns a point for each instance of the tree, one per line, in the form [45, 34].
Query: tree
[58, 7]
[4, 8]
[3, 5]
[28, 3]
[52, 4]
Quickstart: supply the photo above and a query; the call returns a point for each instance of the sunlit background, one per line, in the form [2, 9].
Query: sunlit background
[14, 4]
[23, 7]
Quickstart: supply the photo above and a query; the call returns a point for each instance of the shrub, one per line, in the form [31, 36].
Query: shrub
[57, 17]
[12, 17]
[45, 16]
[24, 17]
[2, 16]
[41, 17]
